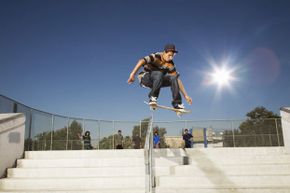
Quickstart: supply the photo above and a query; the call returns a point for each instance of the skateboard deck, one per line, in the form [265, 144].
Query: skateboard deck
[179, 112]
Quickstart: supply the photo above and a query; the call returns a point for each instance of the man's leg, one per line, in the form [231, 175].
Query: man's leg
[156, 78]
[152, 80]
[145, 80]
[172, 81]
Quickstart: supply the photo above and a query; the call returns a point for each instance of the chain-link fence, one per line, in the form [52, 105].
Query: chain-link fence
[46, 131]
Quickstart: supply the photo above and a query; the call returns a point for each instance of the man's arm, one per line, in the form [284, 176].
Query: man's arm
[140, 63]
[182, 89]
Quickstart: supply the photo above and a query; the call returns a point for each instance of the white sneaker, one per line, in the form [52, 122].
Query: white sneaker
[179, 106]
[153, 100]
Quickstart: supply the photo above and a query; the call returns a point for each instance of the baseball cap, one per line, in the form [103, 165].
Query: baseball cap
[170, 47]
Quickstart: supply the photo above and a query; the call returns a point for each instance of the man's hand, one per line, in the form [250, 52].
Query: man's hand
[131, 79]
[140, 63]
[188, 99]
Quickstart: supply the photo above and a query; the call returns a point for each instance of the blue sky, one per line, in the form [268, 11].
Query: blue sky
[74, 57]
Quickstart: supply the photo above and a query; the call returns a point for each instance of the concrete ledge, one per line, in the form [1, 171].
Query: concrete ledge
[12, 132]
[285, 114]
[11, 121]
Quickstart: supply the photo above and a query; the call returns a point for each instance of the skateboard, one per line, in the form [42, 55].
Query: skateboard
[178, 112]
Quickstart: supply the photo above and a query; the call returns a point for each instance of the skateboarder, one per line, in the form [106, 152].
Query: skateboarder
[159, 71]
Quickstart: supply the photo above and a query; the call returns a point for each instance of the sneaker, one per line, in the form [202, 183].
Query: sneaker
[179, 106]
[153, 100]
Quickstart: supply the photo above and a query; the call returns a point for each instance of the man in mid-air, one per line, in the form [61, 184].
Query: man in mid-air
[159, 71]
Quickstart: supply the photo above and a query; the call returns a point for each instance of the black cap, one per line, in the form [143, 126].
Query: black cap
[170, 47]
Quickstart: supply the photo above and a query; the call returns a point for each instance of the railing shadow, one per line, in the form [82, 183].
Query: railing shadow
[212, 172]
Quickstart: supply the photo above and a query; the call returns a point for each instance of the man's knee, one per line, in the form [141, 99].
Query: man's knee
[173, 79]
[145, 80]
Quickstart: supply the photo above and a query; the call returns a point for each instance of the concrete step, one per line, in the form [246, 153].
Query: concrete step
[169, 152]
[238, 151]
[79, 163]
[223, 181]
[254, 159]
[86, 172]
[84, 154]
[230, 189]
[242, 170]
[83, 184]
[75, 172]
[90, 163]
[167, 161]
[118, 190]
[171, 190]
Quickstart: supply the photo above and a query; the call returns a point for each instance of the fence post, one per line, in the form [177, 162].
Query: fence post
[83, 130]
[66, 143]
[51, 133]
[114, 129]
[204, 137]
[30, 142]
[234, 140]
[277, 132]
[99, 128]
[140, 132]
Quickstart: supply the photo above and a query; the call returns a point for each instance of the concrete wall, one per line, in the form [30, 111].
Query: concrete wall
[12, 131]
[285, 114]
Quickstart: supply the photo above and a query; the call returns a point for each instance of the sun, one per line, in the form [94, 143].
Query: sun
[221, 76]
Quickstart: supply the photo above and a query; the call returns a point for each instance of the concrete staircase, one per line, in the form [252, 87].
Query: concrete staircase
[229, 170]
[212, 170]
[95, 171]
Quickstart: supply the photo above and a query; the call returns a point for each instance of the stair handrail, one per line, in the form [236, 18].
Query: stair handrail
[148, 158]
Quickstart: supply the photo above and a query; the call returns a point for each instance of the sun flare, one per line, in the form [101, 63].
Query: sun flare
[221, 76]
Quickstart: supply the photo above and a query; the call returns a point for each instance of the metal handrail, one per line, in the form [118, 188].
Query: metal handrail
[148, 158]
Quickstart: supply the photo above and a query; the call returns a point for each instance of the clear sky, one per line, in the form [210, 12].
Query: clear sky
[73, 57]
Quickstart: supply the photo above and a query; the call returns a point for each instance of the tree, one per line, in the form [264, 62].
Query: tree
[262, 128]
[144, 127]
[74, 132]
[144, 124]
[59, 138]
[106, 142]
